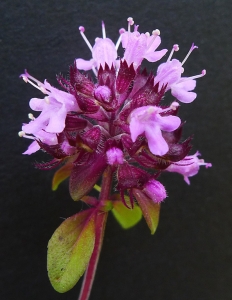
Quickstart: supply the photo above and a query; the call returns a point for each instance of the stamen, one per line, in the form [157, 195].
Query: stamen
[173, 106]
[31, 117]
[190, 51]
[23, 134]
[27, 75]
[155, 33]
[174, 48]
[103, 30]
[203, 73]
[39, 86]
[121, 31]
[130, 23]
[82, 30]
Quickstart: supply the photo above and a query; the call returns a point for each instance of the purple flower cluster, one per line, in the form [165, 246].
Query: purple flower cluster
[118, 120]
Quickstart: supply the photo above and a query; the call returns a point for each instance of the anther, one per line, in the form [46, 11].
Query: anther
[30, 116]
[82, 30]
[130, 23]
[174, 105]
[190, 51]
[174, 48]
[21, 133]
[203, 72]
[24, 77]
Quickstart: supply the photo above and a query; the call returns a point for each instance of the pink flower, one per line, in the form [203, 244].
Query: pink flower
[45, 137]
[189, 166]
[147, 119]
[169, 75]
[141, 46]
[54, 109]
[103, 52]
[155, 190]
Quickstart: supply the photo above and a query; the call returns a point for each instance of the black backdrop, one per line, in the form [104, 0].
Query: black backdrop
[190, 256]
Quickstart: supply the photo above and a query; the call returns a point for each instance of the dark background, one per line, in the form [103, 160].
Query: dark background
[190, 256]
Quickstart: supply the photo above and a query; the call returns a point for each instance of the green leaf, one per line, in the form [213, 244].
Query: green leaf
[149, 209]
[70, 249]
[126, 217]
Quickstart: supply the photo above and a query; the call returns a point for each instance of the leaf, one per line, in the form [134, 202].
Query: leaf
[149, 209]
[127, 218]
[70, 249]
[61, 175]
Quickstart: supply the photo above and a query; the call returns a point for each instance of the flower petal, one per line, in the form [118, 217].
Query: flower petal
[33, 147]
[104, 52]
[182, 95]
[37, 104]
[57, 120]
[85, 65]
[155, 56]
[156, 142]
[168, 123]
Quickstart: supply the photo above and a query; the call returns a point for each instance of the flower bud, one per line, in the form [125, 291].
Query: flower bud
[155, 190]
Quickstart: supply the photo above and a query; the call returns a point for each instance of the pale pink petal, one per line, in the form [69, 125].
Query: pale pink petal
[155, 44]
[155, 56]
[168, 123]
[135, 48]
[136, 128]
[34, 126]
[37, 104]
[33, 147]
[185, 84]
[104, 52]
[57, 120]
[84, 64]
[156, 142]
[182, 95]
[168, 73]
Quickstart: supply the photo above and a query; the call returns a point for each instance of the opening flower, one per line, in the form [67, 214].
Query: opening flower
[149, 120]
[189, 166]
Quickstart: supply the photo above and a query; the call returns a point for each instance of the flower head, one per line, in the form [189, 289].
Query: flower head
[117, 122]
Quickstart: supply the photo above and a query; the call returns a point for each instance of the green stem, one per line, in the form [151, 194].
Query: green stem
[100, 230]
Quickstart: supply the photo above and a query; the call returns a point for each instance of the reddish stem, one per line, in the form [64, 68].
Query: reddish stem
[100, 230]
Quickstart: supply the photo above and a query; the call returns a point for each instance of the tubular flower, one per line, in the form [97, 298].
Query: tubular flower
[169, 74]
[189, 166]
[116, 129]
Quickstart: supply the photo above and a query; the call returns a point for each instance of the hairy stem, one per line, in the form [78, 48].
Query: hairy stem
[100, 230]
